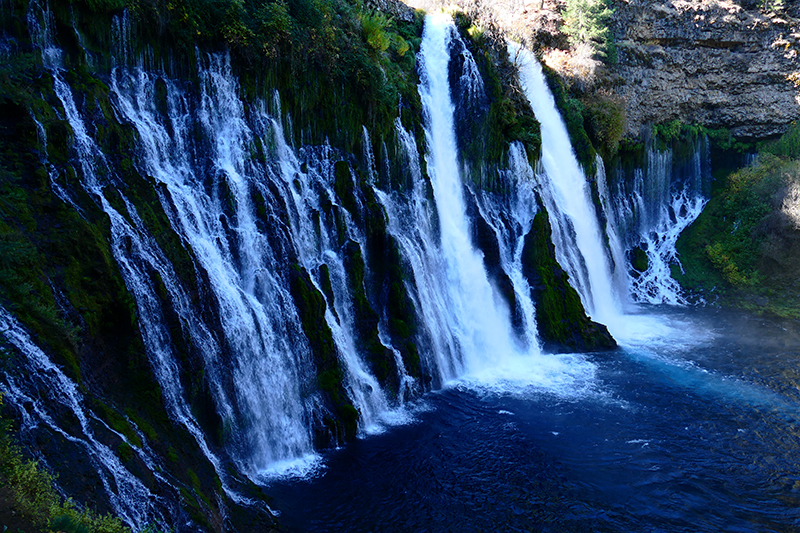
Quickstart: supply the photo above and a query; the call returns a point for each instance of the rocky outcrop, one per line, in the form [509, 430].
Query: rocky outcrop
[712, 63]
[719, 63]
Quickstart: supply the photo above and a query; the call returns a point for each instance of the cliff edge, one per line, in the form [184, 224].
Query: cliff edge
[716, 63]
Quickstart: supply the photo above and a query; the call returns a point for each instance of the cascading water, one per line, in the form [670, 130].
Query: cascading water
[265, 407]
[480, 323]
[46, 391]
[646, 211]
[250, 211]
[565, 191]
[648, 208]
[255, 360]
[467, 323]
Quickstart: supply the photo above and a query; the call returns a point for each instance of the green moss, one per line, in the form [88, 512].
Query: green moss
[639, 260]
[311, 308]
[172, 454]
[118, 423]
[560, 316]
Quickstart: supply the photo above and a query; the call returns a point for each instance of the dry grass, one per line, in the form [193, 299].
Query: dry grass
[577, 67]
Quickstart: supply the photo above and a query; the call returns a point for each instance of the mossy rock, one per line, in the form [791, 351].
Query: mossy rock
[638, 259]
[343, 424]
[561, 319]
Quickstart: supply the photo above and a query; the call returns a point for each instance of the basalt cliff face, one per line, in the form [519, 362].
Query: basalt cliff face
[715, 63]
[719, 64]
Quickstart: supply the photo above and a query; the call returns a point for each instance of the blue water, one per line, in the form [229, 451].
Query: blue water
[693, 429]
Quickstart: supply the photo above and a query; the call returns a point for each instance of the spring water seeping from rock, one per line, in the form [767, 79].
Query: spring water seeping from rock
[648, 207]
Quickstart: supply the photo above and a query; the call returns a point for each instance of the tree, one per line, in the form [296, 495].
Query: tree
[585, 22]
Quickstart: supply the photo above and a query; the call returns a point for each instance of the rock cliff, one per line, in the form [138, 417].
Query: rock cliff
[719, 64]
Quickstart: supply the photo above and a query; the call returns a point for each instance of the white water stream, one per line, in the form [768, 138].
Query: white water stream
[245, 204]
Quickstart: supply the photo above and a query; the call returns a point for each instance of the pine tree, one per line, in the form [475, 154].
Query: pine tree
[585, 22]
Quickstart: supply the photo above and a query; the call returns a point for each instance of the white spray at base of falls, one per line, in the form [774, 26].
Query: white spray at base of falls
[577, 234]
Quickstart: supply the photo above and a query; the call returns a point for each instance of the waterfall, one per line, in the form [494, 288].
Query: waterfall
[138, 256]
[648, 209]
[265, 407]
[577, 233]
[480, 322]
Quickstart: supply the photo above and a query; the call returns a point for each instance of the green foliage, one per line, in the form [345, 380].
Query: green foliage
[585, 22]
[36, 498]
[667, 132]
[788, 146]
[771, 5]
[743, 248]
[674, 132]
[103, 6]
[605, 118]
[373, 26]
[336, 65]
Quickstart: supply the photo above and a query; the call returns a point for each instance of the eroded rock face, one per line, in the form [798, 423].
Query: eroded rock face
[712, 63]
[720, 63]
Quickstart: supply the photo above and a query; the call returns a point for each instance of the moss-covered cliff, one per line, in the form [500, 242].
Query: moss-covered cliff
[340, 69]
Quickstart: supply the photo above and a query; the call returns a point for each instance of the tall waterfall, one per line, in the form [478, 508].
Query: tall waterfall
[480, 322]
[577, 234]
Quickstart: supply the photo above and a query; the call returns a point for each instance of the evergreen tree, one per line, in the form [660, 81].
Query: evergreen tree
[585, 22]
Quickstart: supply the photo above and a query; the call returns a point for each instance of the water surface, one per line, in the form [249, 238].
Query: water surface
[692, 427]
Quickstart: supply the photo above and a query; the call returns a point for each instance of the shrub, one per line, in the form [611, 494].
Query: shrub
[373, 27]
[606, 119]
[35, 495]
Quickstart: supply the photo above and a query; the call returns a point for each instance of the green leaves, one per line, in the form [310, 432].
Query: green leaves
[373, 26]
[585, 22]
